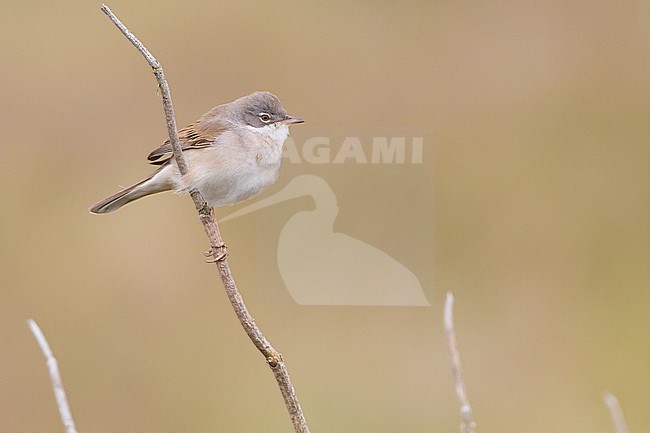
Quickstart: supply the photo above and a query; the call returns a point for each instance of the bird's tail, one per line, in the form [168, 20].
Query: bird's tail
[151, 185]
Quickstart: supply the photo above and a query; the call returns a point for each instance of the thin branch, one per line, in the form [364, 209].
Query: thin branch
[55, 376]
[467, 424]
[616, 413]
[217, 247]
[164, 90]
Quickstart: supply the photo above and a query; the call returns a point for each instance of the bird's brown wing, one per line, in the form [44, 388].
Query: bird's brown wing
[194, 136]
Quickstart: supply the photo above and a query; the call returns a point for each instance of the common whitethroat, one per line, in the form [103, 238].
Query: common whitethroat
[233, 152]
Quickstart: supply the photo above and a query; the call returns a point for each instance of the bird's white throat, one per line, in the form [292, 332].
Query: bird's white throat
[275, 133]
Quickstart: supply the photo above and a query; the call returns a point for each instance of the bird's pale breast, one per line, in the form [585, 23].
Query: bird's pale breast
[238, 166]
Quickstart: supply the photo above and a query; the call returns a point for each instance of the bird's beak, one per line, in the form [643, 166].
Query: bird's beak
[290, 120]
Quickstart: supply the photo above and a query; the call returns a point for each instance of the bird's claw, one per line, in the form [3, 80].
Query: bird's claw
[206, 210]
[216, 253]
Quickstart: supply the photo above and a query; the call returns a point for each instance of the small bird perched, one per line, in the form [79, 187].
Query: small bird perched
[233, 152]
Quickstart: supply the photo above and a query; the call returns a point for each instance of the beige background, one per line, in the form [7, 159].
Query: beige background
[532, 205]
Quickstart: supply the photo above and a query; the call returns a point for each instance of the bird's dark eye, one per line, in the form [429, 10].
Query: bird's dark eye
[265, 117]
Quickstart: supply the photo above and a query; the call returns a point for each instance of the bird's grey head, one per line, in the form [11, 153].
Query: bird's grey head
[260, 109]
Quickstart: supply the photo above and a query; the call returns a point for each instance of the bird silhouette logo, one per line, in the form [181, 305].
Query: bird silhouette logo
[321, 267]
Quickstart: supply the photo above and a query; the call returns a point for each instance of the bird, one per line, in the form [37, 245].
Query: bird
[233, 152]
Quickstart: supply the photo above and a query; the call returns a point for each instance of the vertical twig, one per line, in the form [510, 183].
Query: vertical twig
[467, 424]
[217, 247]
[616, 413]
[55, 376]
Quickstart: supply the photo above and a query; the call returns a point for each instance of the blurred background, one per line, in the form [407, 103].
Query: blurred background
[531, 204]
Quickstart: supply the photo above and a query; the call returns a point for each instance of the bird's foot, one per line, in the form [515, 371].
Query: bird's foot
[217, 253]
[206, 210]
